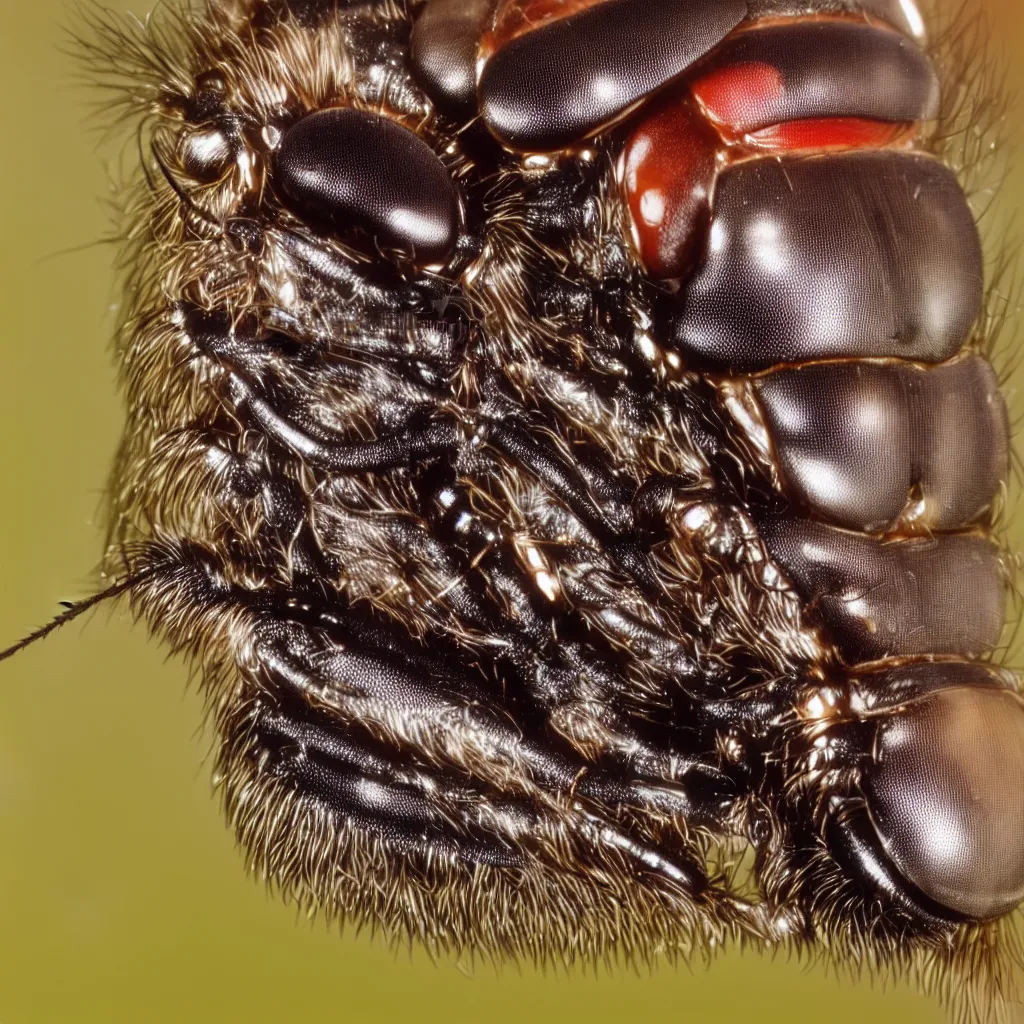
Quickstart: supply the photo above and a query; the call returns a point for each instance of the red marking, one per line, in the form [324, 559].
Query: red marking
[667, 171]
[829, 133]
[680, 143]
[737, 95]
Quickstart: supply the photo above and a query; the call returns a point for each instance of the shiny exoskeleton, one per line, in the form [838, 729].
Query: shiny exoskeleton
[559, 432]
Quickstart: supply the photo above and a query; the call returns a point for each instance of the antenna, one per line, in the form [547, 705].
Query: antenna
[72, 612]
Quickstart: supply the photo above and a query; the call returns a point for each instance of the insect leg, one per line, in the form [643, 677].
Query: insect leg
[420, 706]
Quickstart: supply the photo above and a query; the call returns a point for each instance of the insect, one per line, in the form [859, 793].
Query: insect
[489, 450]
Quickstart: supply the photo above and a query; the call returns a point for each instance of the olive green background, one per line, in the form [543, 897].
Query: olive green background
[122, 896]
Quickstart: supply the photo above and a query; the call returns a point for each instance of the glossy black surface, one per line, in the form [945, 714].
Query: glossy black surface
[557, 84]
[947, 797]
[443, 53]
[860, 443]
[832, 69]
[342, 169]
[860, 254]
[853, 840]
[942, 595]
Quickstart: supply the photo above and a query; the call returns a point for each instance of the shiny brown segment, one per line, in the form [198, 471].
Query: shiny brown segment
[555, 85]
[946, 795]
[817, 69]
[864, 444]
[841, 256]
[941, 595]
[667, 173]
[822, 135]
[443, 52]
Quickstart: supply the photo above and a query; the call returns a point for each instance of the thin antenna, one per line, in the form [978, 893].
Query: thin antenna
[72, 612]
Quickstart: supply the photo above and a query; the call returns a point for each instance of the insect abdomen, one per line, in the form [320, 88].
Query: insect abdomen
[827, 263]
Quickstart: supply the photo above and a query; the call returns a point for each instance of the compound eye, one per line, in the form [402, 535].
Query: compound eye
[343, 169]
[946, 796]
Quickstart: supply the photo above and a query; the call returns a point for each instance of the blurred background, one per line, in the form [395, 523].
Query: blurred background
[122, 896]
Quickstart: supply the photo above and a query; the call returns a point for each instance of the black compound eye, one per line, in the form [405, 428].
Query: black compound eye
[947, 798]
[345, 169]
